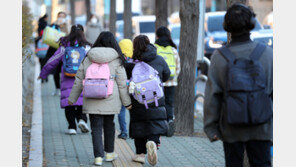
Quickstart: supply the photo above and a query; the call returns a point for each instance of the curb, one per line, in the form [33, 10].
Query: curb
[36, 146]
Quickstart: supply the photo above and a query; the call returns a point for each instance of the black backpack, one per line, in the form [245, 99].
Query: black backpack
[246, 101]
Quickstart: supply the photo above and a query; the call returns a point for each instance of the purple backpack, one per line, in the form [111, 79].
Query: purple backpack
[148, 87]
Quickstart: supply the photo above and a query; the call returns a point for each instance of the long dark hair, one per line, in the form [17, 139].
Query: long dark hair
[76, 36]
[140, 46]
[164, 36]
[106, 39]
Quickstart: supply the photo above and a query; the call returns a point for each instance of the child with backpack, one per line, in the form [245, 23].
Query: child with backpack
[126, 46]
[148, 118]
[102, 79]
[167, 49]
[71, 52]
[61, 25]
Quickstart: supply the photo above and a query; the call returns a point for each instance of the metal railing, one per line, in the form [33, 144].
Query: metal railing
[201, 77]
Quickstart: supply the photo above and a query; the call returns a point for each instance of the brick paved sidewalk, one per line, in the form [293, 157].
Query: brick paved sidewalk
[61, 150]
[180, 151]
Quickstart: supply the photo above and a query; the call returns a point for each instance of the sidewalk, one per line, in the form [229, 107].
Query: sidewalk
[63, 150]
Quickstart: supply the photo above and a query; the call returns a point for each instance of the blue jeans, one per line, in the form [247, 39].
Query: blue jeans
[121, 120]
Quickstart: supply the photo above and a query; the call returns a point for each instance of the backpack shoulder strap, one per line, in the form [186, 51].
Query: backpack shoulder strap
[257, 52]
[227, 54]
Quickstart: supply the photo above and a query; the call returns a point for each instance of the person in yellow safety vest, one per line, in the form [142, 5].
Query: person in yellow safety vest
[168, 50]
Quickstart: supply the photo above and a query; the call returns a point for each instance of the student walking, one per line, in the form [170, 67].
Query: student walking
[72, 50]
[93, 29]
[238, 96]
[62, 25]
[126, 46]
[102, 71]
[148, 120]
[167, 49]
[41, 48]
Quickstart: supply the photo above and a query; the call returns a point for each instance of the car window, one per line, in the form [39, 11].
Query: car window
[175, 33]
[147, 27]
[215, 23]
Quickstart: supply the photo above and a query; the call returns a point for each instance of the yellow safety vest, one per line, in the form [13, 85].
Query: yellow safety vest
[168, 55]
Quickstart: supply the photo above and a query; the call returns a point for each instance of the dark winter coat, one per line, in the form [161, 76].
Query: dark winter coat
[153, 121]
[214, 118]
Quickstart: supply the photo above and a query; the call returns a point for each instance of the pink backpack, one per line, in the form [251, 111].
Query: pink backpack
[98, 82]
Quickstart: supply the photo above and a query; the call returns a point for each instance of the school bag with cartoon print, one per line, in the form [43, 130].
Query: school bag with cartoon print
[72, 60]
[147, 84]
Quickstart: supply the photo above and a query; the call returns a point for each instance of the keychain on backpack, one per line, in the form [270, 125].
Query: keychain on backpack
[132, 87]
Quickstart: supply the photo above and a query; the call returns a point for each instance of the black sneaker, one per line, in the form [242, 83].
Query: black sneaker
[122, 136]
[171, 129]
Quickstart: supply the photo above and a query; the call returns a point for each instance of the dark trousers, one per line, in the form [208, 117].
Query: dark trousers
[140, 143]
[74, 113]
[97, 124]
[258, 153]
[169, 93]
[57, 76]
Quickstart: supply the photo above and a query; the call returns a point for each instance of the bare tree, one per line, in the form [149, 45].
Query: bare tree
[184, 103]
[72, 5]
[161, 13]
[229, 3]
[127, 17]
[88, 10]
[112, 18]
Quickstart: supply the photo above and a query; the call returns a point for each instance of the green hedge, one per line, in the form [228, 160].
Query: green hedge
[27, 30]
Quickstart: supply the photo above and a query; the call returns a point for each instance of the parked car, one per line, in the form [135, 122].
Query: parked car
[119, 16]
[144, 25]
[216, 36]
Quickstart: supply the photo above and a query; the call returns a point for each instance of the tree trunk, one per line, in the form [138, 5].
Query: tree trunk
[88, 11]
[112, 18]
[127, 17]
[184, 103]
[161, 13]
[72, 5]
[229, 3]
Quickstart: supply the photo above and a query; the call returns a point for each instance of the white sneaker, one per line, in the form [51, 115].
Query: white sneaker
[72, 132]
[139, 158]
[56, 92]
[83, 126]
[110, 156]
[98, 161]
[152, 152]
